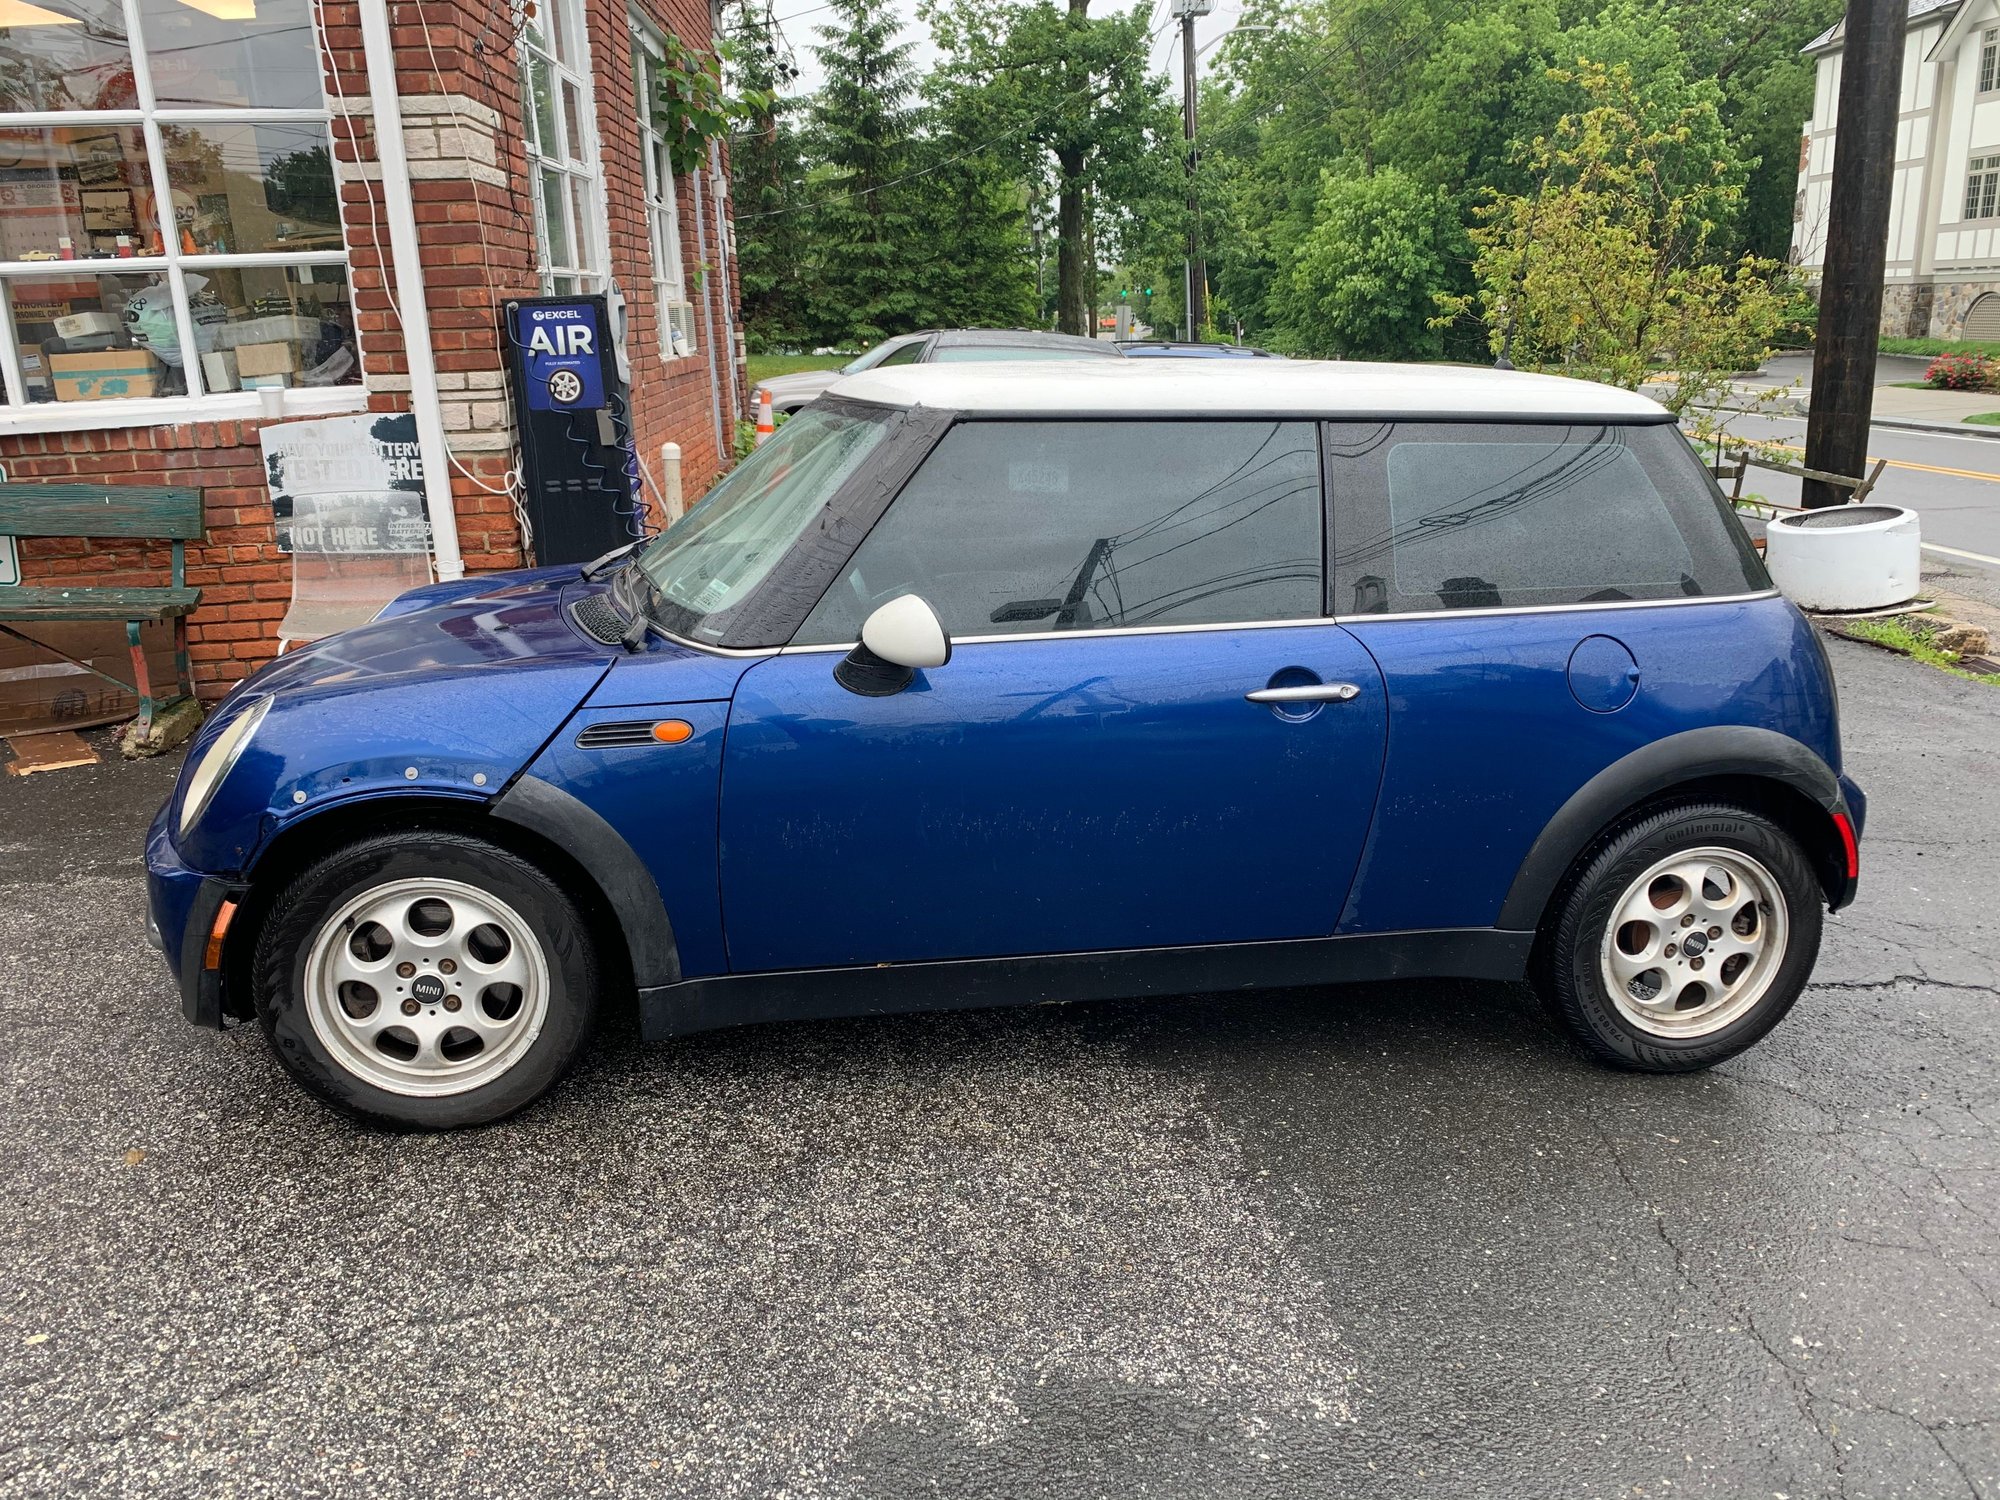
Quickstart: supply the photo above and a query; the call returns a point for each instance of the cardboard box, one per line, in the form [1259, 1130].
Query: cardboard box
[112, 375]
[34, 369]
[265, 382]
[83, 324]
[266, 359]
[218, 370]
[271, 328]
[39, 691]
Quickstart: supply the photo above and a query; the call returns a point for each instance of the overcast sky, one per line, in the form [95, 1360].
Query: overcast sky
[800, 20]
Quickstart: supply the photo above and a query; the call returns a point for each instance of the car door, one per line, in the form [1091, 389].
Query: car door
[1090, 770]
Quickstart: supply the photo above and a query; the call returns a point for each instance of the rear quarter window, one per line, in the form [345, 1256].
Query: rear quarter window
[1461, 515]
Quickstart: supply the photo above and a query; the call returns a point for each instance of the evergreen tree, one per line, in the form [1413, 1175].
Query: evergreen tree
[767, 189]
[865, 286]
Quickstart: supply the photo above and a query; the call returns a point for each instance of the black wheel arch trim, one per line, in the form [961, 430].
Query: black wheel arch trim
[1681, 759]
[628, 886]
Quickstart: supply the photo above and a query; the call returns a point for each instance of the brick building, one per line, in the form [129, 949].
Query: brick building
[208, 175]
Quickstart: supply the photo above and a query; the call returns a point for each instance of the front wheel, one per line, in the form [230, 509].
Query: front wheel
[1684, 940]
[425, 980]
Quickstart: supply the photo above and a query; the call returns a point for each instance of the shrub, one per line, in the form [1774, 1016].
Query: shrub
[1962, 372]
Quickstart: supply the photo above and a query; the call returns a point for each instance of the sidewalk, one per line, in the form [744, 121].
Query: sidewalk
[1896, 405]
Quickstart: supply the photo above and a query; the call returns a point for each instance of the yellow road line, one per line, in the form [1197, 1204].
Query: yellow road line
[1897, 463]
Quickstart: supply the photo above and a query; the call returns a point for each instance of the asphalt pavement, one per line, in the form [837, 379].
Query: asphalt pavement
[1389, 1240]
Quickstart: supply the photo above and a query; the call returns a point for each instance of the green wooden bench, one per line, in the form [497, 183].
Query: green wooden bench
[149, 511]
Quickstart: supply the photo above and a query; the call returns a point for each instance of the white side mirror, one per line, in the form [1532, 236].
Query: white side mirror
[896, 640]
[906, 631]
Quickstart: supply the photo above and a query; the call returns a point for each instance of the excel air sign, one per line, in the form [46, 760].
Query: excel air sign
[561, 355]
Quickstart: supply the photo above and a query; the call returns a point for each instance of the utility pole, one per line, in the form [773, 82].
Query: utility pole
[1857, 243]
[1195, 271]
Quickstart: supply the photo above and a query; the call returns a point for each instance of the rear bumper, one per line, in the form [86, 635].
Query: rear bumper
[181, 907]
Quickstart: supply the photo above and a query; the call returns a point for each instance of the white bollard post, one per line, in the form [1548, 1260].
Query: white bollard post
[670, 481]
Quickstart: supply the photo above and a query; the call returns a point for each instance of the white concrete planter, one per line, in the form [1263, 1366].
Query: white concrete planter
[1846, 556]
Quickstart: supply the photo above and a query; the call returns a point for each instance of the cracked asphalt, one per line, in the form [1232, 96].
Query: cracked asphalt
[1378, 1241]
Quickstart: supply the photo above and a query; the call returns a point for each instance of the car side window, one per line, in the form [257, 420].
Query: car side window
[1021, 527]
[907, 355]
[1488, 515]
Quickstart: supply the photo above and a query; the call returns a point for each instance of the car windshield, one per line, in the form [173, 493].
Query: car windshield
[873, 357]
[711, 558]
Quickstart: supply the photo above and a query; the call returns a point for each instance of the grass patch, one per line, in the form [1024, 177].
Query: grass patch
[1932, 348]
[1985, 419]
[764, 366]
[1911, 635]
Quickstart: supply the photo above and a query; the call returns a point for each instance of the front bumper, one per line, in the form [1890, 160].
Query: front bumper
[181, 907]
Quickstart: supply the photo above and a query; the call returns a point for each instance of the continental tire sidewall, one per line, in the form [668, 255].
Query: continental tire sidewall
[1581, 993]
[296, 919]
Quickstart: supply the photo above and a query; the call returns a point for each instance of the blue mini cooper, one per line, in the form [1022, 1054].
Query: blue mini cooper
[993, 685]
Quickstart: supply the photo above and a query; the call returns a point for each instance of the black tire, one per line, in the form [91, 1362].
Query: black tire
[285, 944]
[1568, 972]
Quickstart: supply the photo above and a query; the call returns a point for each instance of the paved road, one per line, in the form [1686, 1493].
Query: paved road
[1386, 1241]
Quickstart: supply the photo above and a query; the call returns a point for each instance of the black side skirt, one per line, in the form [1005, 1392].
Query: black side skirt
[1041, 979]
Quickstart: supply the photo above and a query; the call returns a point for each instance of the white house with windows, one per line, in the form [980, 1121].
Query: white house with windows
[1942, 279]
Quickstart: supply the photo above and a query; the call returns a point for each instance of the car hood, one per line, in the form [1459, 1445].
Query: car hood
[806, 383]
[513, 623]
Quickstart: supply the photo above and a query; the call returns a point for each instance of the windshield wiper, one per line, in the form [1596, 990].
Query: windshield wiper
[597, 566]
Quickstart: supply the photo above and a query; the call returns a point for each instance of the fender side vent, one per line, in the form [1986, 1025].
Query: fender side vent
[620, 734]
[597, 617]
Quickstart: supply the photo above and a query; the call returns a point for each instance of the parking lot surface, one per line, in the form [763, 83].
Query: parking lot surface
[1375, 1241]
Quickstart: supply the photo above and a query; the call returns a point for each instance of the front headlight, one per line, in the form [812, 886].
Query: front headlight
[216, 760]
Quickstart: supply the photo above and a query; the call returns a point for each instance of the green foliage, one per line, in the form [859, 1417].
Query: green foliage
[1365, 278]
[1933, 347]
[691, 107]
[1602, 268]
[764, 366]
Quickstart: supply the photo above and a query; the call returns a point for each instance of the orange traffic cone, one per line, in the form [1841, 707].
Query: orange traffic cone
[765, 424]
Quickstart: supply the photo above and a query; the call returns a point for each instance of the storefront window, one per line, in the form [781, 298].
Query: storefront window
[196, 200]
[562, 150]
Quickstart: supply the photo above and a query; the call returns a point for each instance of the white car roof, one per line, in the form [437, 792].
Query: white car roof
[1331, 389]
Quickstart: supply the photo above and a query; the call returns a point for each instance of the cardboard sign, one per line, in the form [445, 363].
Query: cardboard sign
[347, 485]
[562, 344]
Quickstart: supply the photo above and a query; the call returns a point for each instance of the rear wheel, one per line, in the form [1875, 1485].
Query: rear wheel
[1685, 939]
[425, 980]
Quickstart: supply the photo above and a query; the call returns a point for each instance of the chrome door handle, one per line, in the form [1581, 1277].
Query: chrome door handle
[1311, 692]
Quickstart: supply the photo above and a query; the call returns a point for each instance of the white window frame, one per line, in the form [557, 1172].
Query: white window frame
[1982, 188]
[1989, 60]
[663, 213]
[197, 404]
[588, 268]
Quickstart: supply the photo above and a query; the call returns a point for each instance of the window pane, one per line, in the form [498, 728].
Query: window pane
[65, 54]
[541, 93]
[97, 337]
[562, 18]
[1434, 516]
[85, 184]
[583, 222]
[573, 121]
[555, 223]
[1016, 526]
[226, 52]
[276, 325]
[251, 188]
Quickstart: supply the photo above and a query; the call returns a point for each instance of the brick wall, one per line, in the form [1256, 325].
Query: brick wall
[462, 111]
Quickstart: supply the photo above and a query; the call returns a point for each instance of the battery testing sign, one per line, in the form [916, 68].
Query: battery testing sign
[559, 343]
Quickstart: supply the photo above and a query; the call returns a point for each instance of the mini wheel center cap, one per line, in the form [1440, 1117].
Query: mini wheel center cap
[427, 988]
[1693, 945]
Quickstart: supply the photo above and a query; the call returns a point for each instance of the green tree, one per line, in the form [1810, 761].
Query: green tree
[1068, 98]
[1601, 269]
[861, 120]
[767, 191]
[1365, 279]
